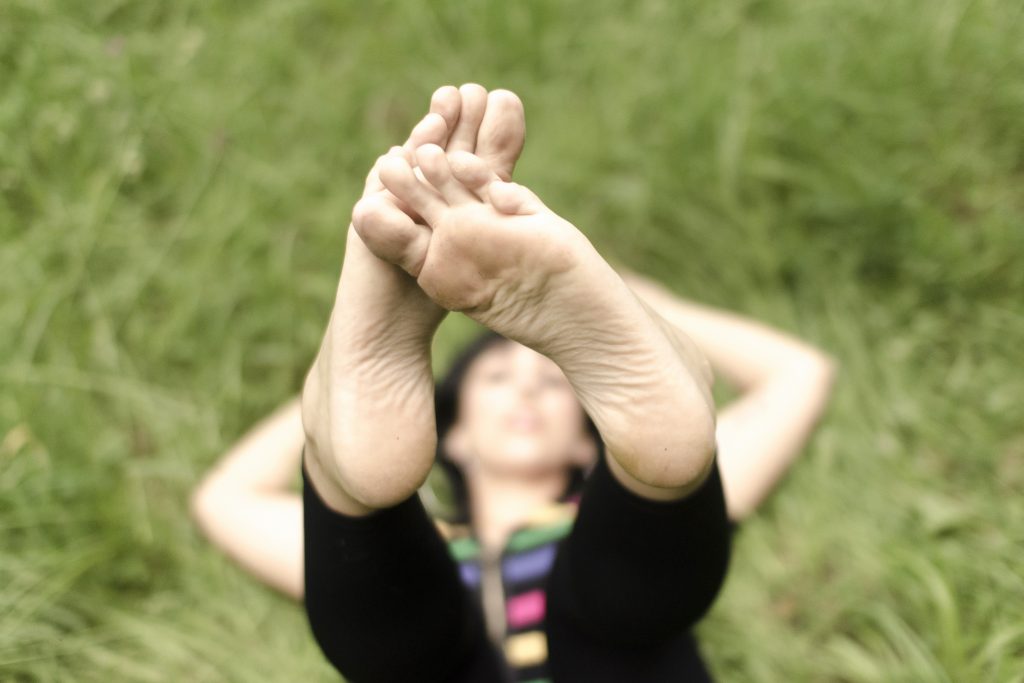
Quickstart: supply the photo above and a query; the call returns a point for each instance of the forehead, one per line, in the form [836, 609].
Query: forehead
[512, 352]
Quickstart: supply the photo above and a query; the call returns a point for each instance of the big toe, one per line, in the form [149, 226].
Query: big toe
[390, 234]
[502, 132]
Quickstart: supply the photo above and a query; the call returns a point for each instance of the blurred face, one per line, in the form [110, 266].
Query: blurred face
[518, 415]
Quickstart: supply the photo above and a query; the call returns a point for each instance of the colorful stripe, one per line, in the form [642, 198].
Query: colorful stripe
[529, 565]
[470, 574]
[530, 538]
[464, 549]
[551, 513]
[526, 609]
[526, 649]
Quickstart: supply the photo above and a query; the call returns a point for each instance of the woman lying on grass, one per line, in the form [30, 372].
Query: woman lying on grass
[595, 487]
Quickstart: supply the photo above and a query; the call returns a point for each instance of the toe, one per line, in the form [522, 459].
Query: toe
[432, 129]
[375, 186]
[434, 164]
[447, 101]
[390, 234]
[399, 178]
[373, 182]
[474, 102]
[513, 198]
[502, 132]
[472, 172]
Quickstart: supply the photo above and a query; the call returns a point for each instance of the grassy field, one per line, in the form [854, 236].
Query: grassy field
[175, 183]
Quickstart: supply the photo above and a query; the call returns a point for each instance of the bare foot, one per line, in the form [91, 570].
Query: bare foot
[495, 252]
[373, 373]
[490, 125]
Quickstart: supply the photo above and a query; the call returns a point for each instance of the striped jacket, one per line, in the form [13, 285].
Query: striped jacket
[510, 586]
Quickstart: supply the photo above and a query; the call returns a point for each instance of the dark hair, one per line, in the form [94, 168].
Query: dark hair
[446, 408]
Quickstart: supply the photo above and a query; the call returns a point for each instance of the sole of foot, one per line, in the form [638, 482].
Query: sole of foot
[494, 251]
[374, 363]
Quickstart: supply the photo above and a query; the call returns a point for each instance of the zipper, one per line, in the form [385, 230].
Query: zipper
[493, 596]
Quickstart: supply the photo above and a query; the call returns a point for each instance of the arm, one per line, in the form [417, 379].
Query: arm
[244, 507]
[786, 384]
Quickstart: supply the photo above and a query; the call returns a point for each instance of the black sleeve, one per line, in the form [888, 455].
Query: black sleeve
[634, 576]
[384, 598]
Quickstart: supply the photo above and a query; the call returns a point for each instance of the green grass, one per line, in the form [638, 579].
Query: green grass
[175, 183]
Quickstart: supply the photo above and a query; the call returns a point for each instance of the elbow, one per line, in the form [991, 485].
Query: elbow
[826, 361]
[202, 501]
[817, 375]
[820, 369]
[827, 369]
[738, 508]
[197, 504]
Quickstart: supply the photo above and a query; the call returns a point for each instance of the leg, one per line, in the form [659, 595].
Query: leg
[496, 253]
[385, 601]
[372, 375]
[632, 579]
[383, 596]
